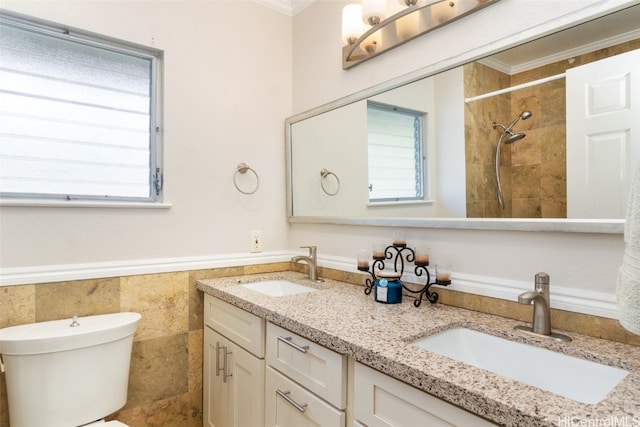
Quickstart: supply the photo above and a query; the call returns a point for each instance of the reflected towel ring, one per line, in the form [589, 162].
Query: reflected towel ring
[242, 169]
[325, 173]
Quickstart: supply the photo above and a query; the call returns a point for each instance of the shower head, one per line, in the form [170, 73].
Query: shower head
[524, 116]
[508, 130]
[513, 137]
[508, 137]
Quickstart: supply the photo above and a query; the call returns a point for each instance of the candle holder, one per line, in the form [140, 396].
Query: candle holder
[395, 253]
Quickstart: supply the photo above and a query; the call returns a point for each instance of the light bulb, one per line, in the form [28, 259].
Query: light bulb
[407, 26]
[373, 11]
[352, 25]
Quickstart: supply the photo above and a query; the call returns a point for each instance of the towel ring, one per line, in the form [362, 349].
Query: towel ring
[325, 173]
[242, 169]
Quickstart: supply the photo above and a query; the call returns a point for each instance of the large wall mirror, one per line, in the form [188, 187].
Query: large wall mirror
[538, 137]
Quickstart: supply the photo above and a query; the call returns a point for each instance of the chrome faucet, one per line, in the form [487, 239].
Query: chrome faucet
[311, 260]
[541, 309]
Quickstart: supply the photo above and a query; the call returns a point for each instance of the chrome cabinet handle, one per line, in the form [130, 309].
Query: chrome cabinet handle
[289, 341]
[225, 364]
[285, 396]
[226, 373]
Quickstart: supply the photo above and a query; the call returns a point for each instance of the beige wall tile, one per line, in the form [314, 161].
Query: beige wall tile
[17, 305]
[62, 300]
[173, 411]
[195, 367]
[161, 299]
[159, 369]
[266, 268]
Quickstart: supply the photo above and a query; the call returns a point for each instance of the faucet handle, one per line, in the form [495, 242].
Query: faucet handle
[542, 283]
[312, 249]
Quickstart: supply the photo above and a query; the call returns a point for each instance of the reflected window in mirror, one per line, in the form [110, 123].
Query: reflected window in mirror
[395, 153]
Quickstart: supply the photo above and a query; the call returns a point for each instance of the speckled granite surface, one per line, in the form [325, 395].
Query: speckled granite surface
[341, 317]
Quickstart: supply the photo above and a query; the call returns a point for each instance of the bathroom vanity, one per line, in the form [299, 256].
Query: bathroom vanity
[327, 354]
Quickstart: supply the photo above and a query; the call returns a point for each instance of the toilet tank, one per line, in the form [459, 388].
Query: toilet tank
[58, 375]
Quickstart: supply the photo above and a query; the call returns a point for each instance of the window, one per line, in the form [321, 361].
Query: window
[77, 116]
[394, 137]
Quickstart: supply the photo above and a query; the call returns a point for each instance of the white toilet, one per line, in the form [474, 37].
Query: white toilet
[60, 375]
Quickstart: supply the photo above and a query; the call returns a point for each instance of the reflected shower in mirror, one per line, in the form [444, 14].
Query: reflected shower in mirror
[509, 138]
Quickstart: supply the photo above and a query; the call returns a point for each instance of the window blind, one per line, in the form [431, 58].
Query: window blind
[394, 153]
[75, 117]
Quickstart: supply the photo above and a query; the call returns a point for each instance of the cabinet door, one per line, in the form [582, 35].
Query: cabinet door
[233, 384]
[216, 395]
[247, 387]
[381, 401]
[290, 405]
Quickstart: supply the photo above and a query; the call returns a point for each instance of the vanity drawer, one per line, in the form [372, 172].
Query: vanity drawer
[241, 327]
[382, 401]
[289, 405]
[320, 370]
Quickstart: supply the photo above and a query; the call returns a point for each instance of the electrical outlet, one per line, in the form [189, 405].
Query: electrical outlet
[256, 241]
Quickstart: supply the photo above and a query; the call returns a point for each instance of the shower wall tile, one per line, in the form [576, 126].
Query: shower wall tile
[526, 182]
[554, 180]
[527, 151]
[554, 208]
[526, 208]
[554, 144]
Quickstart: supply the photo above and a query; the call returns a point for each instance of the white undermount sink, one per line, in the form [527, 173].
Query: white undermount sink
[278, 288]
[568, 376]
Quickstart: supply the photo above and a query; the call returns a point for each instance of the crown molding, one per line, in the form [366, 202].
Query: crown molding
[287, 7]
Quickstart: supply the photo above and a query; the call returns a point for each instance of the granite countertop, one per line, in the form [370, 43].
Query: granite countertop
[341, 317]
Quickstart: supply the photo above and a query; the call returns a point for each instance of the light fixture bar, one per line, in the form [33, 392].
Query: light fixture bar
[409, 23]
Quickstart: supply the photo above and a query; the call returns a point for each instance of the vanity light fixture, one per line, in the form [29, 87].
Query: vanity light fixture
[375, 26]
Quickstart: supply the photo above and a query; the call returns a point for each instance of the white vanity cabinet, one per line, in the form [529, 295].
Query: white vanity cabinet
[382, 401]
[233, 370]
[306, 383]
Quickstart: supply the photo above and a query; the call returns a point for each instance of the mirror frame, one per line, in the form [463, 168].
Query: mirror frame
[607, 226]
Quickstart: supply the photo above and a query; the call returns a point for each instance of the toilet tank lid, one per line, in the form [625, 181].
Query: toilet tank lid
[58, 335]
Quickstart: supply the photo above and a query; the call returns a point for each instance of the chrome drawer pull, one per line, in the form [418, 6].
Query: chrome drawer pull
[288, 340]
[285, 396]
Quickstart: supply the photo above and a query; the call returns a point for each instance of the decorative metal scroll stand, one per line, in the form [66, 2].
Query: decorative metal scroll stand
[398, 267]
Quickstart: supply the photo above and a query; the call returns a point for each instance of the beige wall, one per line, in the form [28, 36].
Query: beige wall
[227, 90]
